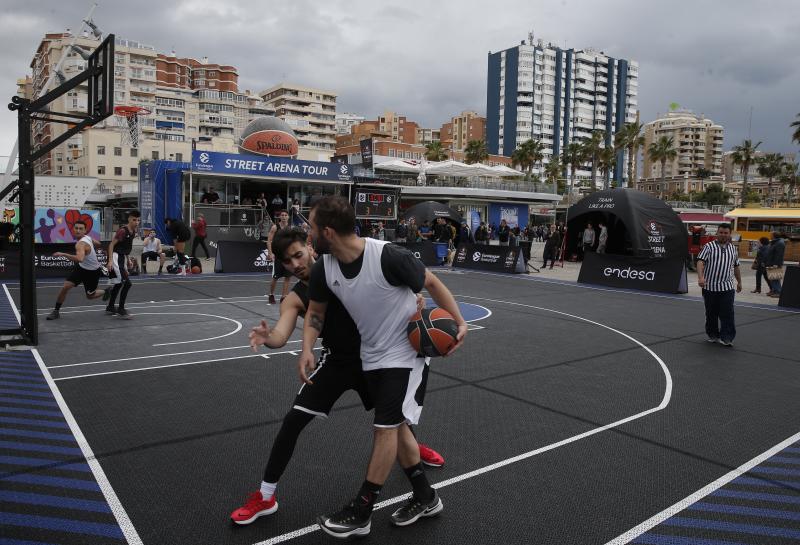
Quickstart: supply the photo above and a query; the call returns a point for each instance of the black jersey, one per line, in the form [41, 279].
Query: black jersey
[124, 241]
[179, 231]
[339, 332]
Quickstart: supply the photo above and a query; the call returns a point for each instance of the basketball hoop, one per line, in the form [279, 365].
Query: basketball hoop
[127, 119]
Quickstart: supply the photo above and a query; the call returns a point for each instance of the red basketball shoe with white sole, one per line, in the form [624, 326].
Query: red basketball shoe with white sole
[255, 507]
[430, 457]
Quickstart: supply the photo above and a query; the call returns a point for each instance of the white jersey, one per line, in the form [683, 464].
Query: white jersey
[151, 245]
[90, 261]
[381, 311]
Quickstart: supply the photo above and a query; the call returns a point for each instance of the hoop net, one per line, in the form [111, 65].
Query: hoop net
[126, 119]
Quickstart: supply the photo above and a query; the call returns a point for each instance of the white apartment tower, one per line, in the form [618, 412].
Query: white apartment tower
[543, 92]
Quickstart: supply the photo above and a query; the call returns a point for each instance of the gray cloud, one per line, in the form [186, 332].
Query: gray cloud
[428, 60]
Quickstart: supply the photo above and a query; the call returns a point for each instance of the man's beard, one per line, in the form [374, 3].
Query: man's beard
[321, 246]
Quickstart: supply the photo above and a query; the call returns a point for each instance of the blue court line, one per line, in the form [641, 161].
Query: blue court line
[25, 410]
[56, 482]
[747, 511]
[54, 501]
[47, 394]
[775, 471]
[7, 541]
[786, 460]
[791, 449]
[36, 434]
[38, 447]
[63, 525]
[33, 422]
[755, 529]
[18, 401]
[756, 496]
[20, 370]
[43, 462]
[26, 384]
[776, 483]
[658, 539]
[11, 380]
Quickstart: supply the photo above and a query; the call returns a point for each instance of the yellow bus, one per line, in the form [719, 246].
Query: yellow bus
[754, 223]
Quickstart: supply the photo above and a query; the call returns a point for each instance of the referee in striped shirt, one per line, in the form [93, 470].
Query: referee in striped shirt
[717, 266]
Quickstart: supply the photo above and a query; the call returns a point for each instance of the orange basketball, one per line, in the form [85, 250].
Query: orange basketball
[432, 332]
[196, 270]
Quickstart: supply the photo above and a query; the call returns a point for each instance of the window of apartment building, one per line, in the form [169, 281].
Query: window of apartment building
[134, 171]
[117, 171]
[101, 150]
[179, 157]
[134, 152]
[101, 169]
[118, 152]
[154, 155]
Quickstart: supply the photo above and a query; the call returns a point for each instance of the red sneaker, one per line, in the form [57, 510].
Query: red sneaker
[430, 457]
[255, 507]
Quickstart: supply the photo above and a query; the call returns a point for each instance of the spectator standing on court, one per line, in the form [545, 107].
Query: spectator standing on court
[401, 232]
[413, 231]
[603, 238]
[465, 234]
[199, 226]
[717, 266]
[587, 240]
[777, 248]
[760, 265]
[503, 233]
[551, 246]
[482, 234]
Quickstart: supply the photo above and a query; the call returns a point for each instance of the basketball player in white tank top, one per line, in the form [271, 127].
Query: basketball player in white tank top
[376, 282]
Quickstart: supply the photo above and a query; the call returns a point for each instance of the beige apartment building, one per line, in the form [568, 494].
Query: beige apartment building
[311, 113]
[466, 126]
[697, 139]
[190, 102]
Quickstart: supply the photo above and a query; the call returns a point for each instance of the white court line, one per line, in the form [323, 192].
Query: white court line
[158, 356]
[270, 354]
[125, 524]
[237, 322]
[657, 519]
[685, 298]
[168, 304]
[131, 305]
[59, 283]
[497, 465]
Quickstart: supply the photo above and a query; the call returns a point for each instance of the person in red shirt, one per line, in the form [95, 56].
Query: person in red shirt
[199, 227]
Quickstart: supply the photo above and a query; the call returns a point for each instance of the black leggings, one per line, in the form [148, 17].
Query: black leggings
[199, 241]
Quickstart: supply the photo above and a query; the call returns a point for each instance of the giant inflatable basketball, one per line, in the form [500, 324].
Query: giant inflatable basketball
[269, 136]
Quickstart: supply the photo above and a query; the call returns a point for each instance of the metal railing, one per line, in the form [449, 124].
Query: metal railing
[410, 180]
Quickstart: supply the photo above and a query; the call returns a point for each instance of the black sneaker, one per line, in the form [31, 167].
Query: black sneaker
[111, 311]
[107, 293]
[55, 315]
[415, 509]
[124, 314]
[271, 299]
[351, 521]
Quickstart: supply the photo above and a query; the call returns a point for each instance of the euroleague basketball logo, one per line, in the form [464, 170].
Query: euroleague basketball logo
[653, 228]
[476, 256]
[204, 158]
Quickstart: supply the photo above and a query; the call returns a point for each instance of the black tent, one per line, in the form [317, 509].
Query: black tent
[430, 210]
[638, 224]
[647, 242]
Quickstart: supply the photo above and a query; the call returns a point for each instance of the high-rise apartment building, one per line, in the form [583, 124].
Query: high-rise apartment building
[557, 96]
[311, 113]
[345, 121]
[697, 140]
[189, 101]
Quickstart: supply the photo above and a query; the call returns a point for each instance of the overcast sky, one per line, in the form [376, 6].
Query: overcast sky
[427, 60]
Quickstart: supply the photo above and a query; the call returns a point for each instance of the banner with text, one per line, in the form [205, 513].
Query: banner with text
[45, 264]
[269, 167]
[667, 275]
[507, 259]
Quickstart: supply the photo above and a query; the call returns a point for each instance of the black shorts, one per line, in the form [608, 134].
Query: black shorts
[397, 394]
[150, 256]
[331, 380]
[89, 279]
[278, 270]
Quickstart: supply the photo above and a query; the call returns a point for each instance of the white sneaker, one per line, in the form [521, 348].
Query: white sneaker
[712, 340]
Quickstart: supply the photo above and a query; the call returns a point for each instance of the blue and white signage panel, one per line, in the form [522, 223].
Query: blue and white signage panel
[272, 167]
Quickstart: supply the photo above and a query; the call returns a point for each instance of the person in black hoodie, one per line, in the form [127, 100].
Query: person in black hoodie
[551, 246]
[180, 234]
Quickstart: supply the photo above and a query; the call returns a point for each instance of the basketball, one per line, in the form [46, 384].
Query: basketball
[196, 270]
[432, 332]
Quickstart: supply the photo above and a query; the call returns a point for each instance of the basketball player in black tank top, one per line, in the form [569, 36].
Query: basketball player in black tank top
[122, 244]
[338, 370]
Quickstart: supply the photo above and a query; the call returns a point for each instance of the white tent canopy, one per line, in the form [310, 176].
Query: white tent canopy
[448, 168]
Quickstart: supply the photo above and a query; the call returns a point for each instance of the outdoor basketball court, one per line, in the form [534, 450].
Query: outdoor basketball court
[571, 415]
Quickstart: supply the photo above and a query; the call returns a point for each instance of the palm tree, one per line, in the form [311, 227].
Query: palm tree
[519, 159]
[574, 156]
[630, 138]
[528, 155]
[607, 160]
[475, 152]
[593, 146]
[552, 171]
[744, 156]
[435, 152]
[769, 166]
[796, 125]
[663, 150]
[789, 177]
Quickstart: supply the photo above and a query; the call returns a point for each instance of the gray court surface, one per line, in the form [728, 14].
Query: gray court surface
[572, 414]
